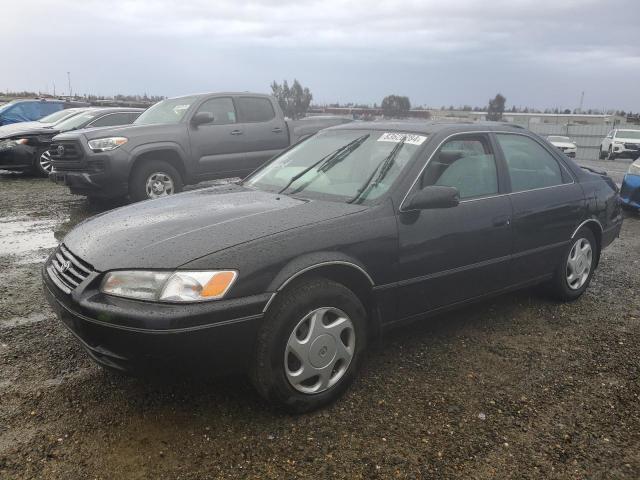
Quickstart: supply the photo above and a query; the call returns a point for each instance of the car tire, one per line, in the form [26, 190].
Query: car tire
[297, 323]
[149, 175]
[601, 155]
[579, 260]
[42, 164]
[611, 155]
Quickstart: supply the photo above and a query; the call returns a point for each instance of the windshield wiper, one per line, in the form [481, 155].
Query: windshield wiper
[383, 167]
[328, 161]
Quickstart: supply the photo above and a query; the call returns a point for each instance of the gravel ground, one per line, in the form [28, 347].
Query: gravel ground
[516, 387]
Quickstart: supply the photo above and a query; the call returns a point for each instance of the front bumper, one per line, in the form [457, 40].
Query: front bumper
[134, 336]
[103, 174]
[630, 191]
[20, 157]
[624, 152]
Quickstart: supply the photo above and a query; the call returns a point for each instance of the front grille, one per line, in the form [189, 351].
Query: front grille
[632, 146]
[66, 270]
[65, 151]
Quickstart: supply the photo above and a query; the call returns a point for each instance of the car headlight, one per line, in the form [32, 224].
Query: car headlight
[634, 168]
[107, 144]
[8, 144]
[180, 286]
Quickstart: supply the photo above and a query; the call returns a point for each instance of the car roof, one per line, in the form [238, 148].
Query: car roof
[116, 109]
[220, 94]
[427, 127]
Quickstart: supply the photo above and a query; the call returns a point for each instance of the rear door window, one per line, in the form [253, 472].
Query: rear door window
[255, 109]
[529, 164]
[466, 163]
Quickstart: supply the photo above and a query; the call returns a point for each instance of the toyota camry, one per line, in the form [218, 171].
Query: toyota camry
[291, 274]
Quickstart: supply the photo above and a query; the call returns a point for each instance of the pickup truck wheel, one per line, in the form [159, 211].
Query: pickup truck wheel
[154, 180]
[42, 164]
[310, 345]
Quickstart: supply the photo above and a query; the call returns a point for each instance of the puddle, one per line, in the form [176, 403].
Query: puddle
[19, 235]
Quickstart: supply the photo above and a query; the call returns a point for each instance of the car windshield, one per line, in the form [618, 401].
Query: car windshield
[77, 121]
[635, 134]
[6, 106]
[57, 116]
[171, 110]
[355, 166]
[559, 139]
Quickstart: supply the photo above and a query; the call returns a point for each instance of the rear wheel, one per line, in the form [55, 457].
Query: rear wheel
[42, 164]
[154, 179]
[310, 346]
[573, 275]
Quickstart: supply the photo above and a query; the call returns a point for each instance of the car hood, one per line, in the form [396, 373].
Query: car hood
[564, 144]
[627, 140]
[24, 128]
[169, 232]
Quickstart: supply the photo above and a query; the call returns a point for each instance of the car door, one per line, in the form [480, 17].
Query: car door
[263, 132]
[448, 255]
[218, 146]
[546, 203]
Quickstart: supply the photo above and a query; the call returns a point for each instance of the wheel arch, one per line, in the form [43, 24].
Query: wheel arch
[596, 228]
[342, 269]
[167, 152]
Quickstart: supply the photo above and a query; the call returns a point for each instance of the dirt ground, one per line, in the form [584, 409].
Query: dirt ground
[516, 387]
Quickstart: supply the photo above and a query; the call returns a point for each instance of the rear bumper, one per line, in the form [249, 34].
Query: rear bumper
[136, 336]
[630, 191]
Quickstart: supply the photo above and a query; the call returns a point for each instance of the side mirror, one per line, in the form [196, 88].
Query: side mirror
[201, 118]
[434, 196]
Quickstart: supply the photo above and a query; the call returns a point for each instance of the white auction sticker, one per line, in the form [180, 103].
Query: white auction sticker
[396, 137]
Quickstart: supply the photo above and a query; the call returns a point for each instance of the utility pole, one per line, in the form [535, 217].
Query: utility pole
[69, 79]
[581, 102]
[54, 89]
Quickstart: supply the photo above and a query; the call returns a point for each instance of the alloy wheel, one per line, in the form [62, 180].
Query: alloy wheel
[319, 350]
[45, 162]
[159, 184]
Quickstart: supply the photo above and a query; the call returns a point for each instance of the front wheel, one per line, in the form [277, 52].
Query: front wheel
[42, 164]
[154, 179]
[310, 346]
[601, 154]
[611, 155]
[573, 275]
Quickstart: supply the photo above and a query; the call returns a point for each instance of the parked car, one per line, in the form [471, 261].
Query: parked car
[630, 190]
[621, 143]
[564, 144]
[291, 274]
[26, 146]
[176, 142]
[30, 110]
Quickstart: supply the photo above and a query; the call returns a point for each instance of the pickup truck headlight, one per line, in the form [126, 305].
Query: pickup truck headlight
[180, 286]
[8, 144]
[634, 168]
[107, 144]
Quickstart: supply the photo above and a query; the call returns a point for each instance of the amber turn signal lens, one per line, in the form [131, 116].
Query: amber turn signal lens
[219, 284]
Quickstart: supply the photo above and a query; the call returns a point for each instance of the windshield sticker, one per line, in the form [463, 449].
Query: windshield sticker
[395, 137]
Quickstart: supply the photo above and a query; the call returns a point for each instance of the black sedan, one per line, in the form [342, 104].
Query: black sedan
[291, 273]
[25, 146]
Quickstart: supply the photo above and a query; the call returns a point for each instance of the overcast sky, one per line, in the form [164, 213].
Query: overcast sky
[540, 53]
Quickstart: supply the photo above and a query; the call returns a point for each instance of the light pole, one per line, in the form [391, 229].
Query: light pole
[69, 79]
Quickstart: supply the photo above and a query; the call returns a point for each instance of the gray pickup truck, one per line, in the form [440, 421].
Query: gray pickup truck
[176, 142]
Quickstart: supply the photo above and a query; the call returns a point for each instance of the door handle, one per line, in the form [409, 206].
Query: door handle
[236, 132]
[502, 221]
[277, 130]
